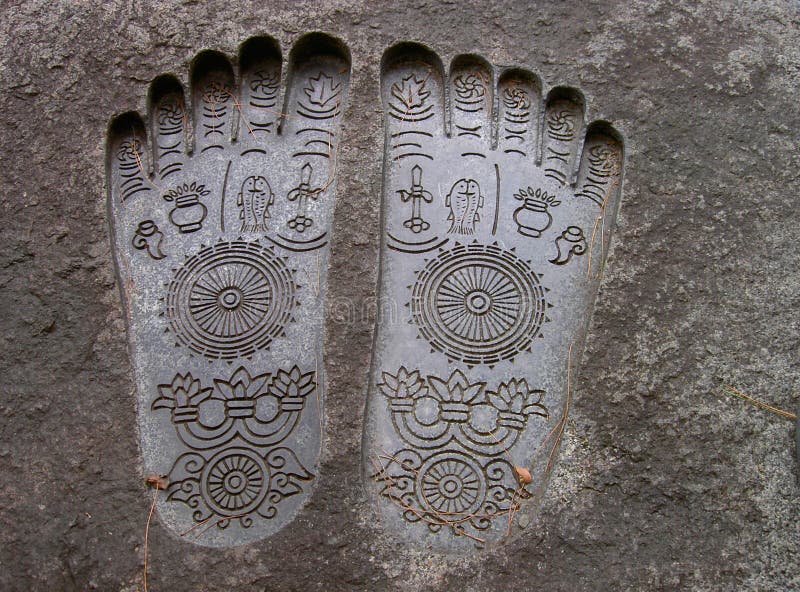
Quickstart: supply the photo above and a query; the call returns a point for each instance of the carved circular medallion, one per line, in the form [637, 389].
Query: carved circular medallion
[235, 482]
[478, 303]
[451, 484]
[230, 300]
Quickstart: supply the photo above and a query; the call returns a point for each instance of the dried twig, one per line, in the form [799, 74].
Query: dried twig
[734, 392]
[157, 482]
[146, 535]
[601, 220]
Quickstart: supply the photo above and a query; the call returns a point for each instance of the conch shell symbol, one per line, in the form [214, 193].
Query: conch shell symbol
[148, 238]
[571, 242]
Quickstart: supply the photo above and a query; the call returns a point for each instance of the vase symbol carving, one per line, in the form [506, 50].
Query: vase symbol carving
[148, 238]
[189, 212]
[533, 216]
[416, 195]
[301, 194]
[571, 242]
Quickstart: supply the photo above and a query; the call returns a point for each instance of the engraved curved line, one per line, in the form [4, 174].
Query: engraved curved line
[261, 126]
[592, 194]
[514, 137]
[472, 154]
[559, 157]
[425, 242]
[314, 129]
[301, 242]
[411, 119]
[214, 113]
[167, 152]
[128, 193]
[213, 129]
[398, 134]
[249, 150]
[555, 174]
[320, 109]
[175, 167]
[222, 200]
[598, 183]
[318, 117]
[420, 115]
[460, 107]
[328, 114]
[323, 142]
[262, 105]
[312, 154]
[401, 156]
[418, 250]
[496, 197]
[414, 112]
[415, 144]
[469, 129]
[514, 151]
[210, 147]
[296, 249]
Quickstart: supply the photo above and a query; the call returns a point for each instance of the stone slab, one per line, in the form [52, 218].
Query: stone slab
[664, 483]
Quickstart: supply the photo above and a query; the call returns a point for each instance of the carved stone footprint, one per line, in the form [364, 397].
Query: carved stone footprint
[221, 246]
[498, 206]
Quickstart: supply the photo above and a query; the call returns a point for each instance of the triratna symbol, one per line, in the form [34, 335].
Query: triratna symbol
[571, 242]
[254, 201]
[148, 237]
[301, 194]
[464, 201]
[416, 194]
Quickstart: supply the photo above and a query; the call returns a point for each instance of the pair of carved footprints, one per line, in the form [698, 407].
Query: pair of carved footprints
[493, 196]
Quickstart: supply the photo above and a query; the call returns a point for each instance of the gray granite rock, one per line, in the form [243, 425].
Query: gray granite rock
[663, 482]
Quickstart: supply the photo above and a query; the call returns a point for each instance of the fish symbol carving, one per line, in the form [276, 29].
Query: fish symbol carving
[254, 201]
[464, 201]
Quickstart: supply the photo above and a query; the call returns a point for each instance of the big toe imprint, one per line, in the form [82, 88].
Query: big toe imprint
[498, 206]
[221, 251]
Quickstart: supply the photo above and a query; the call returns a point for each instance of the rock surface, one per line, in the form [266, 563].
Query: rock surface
[664, 483]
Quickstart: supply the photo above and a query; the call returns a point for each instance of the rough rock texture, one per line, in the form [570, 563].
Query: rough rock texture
[663, 484]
